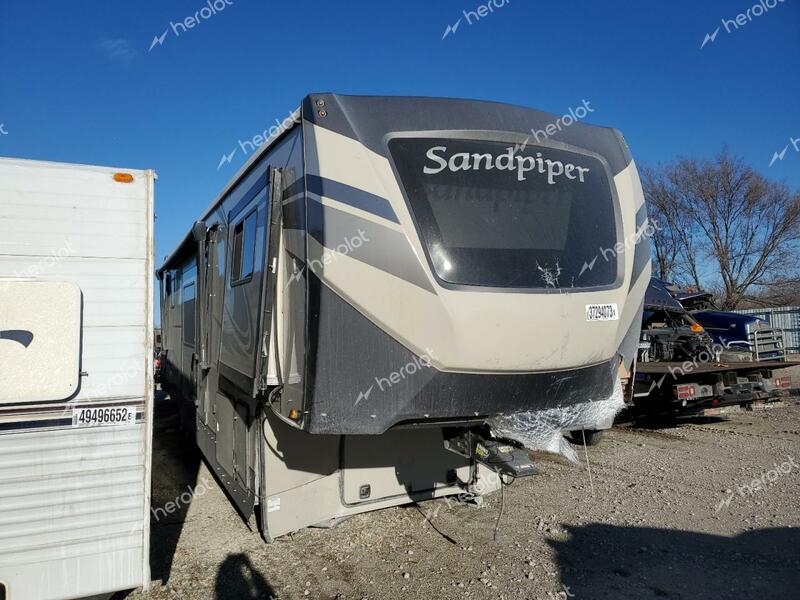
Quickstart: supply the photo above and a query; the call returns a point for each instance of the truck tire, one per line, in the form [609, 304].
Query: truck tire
[593, 436]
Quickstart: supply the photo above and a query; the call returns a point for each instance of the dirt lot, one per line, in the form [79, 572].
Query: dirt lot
[670, 517]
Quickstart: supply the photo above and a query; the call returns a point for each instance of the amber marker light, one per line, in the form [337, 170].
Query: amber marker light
[123, 177]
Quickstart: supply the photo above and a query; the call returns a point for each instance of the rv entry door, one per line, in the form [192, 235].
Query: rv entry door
[268, 324]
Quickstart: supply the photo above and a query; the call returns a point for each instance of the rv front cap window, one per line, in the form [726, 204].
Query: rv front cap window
[490, 214]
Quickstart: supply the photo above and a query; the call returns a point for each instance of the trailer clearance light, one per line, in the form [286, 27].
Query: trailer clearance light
[123, 177]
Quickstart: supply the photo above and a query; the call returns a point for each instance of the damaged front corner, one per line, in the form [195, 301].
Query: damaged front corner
[543, 429]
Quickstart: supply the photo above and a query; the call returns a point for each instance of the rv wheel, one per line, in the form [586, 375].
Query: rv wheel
[592, 436]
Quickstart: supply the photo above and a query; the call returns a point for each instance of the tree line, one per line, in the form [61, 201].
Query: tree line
[723, 227]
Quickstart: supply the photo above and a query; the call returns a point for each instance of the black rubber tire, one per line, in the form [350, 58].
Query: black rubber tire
[593, 436]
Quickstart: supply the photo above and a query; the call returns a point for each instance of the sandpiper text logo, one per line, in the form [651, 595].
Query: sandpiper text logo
[509, 161]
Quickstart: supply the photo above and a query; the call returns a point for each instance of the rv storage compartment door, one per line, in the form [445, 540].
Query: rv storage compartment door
[386, 467]
[40, 332]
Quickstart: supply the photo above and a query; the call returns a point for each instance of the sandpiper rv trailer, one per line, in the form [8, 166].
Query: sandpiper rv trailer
[76, 387]
[381, 279]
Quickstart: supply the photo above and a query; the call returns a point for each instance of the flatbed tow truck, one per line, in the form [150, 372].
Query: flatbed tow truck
[681, 369]
[690, 387]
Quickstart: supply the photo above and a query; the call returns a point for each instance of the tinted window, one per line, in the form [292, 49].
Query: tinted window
[175, 288]
[188, 314]
[244, 248]
[238, 237]
[491, 216]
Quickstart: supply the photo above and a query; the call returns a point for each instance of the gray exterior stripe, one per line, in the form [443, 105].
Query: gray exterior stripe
[341, 192]
[641, 216]
[630, 343]
[385, 249]
[637, 275]
[642, 254]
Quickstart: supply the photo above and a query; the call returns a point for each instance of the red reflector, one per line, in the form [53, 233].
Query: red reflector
[783, 382]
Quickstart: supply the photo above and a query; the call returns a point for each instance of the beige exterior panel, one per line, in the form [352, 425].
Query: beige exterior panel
[464, 330]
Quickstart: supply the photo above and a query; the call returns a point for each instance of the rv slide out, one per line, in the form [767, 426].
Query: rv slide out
[76, 382]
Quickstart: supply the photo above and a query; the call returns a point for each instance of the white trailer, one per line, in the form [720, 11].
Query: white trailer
[76, 379]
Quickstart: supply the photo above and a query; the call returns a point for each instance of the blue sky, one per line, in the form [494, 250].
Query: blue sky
[79, 82]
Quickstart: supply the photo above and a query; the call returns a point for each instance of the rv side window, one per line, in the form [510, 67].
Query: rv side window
[244, 249]
[188, 314]
[174, 297]
[172, 291]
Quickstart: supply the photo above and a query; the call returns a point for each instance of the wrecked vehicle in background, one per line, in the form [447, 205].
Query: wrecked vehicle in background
[669, 333]
[682, 368]
[750, 337]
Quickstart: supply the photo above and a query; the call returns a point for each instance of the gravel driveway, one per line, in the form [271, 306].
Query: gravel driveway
[704, 509]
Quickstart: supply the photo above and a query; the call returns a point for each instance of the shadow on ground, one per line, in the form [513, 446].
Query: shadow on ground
[176, 464]
[611, 562]
[238, 579]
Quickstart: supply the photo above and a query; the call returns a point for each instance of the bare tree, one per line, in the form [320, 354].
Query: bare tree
[723, 225]
[666, 242]
[778, 293]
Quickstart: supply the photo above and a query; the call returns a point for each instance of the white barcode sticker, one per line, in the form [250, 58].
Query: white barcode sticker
[87, 416]
[602, 312]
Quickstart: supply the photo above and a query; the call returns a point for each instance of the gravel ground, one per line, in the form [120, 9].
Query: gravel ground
[666, 514]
